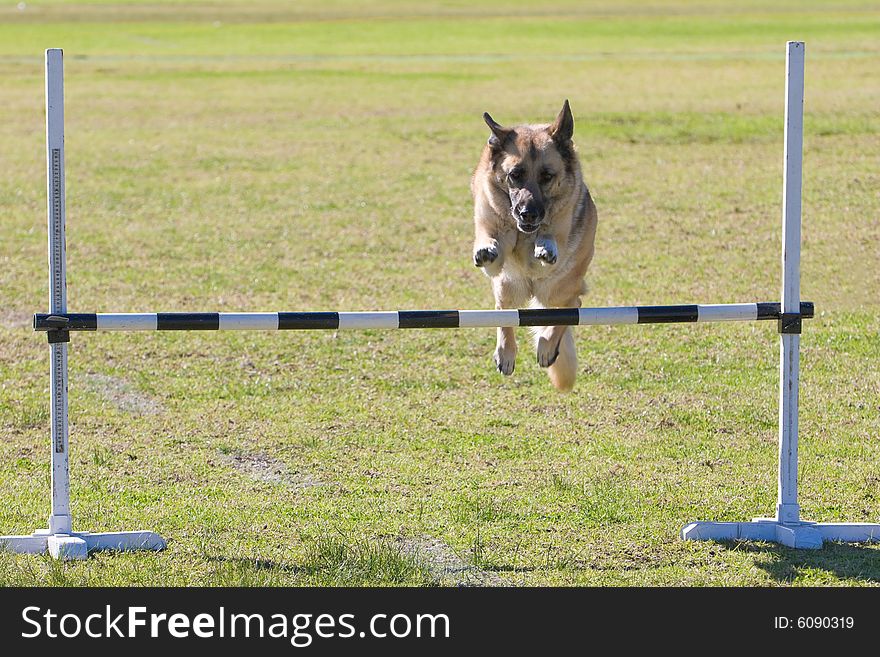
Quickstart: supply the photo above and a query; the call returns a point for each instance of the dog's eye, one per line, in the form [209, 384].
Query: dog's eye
[515, 175]
[546, 176]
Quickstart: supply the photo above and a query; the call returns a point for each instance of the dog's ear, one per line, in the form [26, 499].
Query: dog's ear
[499, 133]
[562, 128]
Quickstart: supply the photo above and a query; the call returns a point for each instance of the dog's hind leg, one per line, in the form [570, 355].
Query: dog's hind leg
[555, 350]
[507, 295]
[547, 344]
[563, 371]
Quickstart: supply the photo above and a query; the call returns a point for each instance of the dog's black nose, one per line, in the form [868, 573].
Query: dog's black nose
[530, 214]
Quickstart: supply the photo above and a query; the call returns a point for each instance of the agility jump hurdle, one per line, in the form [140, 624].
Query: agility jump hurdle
[786, 527]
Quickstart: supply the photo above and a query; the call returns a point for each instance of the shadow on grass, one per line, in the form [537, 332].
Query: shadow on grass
[844, 561]
[507, 568]
[262, 564]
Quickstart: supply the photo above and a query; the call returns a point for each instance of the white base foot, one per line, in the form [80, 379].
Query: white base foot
[802, 535]
[67, 547]
[77, 545]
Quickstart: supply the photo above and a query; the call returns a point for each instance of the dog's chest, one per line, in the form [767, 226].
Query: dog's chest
[522, 262]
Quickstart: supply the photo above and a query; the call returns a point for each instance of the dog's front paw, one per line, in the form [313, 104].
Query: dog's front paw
[485, 255]
[546, 253]
[505, 361]
[547, 352]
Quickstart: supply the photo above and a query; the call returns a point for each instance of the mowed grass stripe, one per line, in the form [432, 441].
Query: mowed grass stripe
[443, 36]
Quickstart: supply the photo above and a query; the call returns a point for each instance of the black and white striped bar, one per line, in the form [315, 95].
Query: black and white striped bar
[412, 319]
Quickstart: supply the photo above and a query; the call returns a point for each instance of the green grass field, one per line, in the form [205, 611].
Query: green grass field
[255, 156]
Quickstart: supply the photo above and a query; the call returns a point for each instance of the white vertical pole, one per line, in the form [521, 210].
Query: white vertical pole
[787, 509]
[59, 521]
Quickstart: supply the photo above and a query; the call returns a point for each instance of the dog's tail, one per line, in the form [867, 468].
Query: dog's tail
[564, 370]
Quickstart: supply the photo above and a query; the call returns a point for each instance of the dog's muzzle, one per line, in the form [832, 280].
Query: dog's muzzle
[528, 220]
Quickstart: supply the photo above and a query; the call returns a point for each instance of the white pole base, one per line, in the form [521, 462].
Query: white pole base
[801, 535]
[77, 545]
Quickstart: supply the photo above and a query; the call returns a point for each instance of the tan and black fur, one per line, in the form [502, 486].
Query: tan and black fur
[535, 227]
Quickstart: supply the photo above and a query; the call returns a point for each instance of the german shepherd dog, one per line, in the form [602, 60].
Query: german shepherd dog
[535, 228]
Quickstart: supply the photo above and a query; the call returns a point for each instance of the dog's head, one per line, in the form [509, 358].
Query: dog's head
[535, 165]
